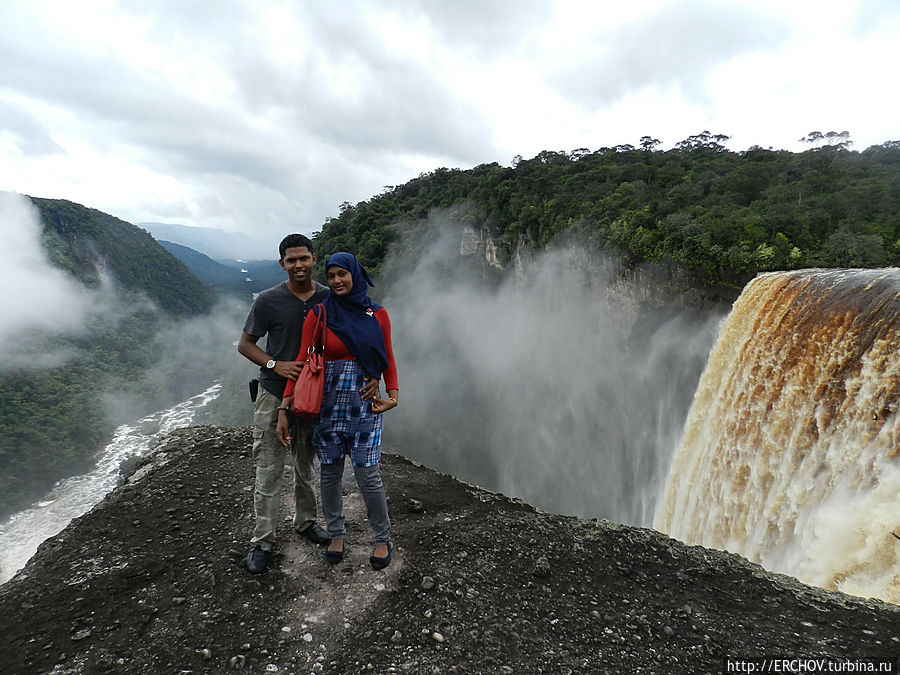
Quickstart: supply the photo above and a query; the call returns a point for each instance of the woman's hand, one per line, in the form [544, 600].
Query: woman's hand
[380, 405]
[283, 428]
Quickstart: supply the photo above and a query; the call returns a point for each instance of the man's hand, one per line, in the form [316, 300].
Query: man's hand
[369, 389]
[289, 369]
[283, 429]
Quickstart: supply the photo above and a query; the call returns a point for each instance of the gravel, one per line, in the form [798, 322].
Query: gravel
[151, 581]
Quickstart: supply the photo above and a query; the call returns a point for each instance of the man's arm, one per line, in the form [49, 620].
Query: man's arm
[249, 349]
[369, 389]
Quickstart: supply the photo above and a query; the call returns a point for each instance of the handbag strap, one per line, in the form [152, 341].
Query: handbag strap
[318, 340]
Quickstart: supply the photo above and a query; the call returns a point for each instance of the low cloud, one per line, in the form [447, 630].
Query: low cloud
[25, 131]
[39, 299]
[555, 384]
[193, 353]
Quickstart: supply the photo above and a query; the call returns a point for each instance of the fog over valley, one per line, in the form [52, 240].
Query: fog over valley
[38, 299]
[549, 382]
[552, 383]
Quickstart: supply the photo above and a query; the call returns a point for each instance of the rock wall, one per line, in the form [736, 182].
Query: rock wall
[650, 284]
[478, 242]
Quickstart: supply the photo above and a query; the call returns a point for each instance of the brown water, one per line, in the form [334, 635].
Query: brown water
[791, 450]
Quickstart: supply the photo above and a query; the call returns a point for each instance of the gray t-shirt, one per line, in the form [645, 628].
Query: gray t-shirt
[279, 314]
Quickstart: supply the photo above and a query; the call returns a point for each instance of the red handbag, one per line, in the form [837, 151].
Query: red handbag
[307, 399]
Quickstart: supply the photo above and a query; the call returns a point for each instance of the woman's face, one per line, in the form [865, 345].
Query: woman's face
[339, 280]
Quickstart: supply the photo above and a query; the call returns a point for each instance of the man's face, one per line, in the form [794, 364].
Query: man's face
[298, 263]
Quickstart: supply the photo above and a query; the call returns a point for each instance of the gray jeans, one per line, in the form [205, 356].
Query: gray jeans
[270, 456]
[372, 488]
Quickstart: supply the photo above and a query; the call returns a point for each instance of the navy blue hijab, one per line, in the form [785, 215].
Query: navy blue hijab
[350, 317]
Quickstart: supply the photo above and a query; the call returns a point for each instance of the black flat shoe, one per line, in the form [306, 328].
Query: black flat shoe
[381, 563]
[315, 534]
[257, 560]
[334, 557]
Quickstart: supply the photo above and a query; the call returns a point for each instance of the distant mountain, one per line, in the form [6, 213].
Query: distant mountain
[228, 276]
[258, 274]
[217, 244]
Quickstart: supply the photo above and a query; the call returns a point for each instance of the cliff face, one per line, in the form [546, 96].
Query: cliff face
[647, 284]
[150, 581]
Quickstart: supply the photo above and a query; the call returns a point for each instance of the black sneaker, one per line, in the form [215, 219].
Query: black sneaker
[257, 560]
[315, 534]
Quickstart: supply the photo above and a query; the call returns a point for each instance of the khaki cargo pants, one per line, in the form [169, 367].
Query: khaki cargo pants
[269, 457]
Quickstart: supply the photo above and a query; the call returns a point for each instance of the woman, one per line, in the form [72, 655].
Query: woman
[357, 350]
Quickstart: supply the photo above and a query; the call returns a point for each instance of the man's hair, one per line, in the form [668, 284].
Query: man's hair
[294, 241]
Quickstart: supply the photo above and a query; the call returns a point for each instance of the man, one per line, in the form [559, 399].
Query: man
[278, 312]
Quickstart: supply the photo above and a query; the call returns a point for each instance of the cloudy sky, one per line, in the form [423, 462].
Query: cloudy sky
[265, 116]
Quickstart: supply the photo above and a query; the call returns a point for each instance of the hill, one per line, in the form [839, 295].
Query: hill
[215, 274]
[150, 581]
[88, 242]
[52, 420]
[258, 275]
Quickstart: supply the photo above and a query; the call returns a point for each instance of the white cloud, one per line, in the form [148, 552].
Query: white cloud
[675, 46]
[265, 118]
[24, 131]
[37, 296]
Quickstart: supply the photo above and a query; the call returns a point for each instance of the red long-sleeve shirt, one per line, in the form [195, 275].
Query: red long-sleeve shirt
[336, 350]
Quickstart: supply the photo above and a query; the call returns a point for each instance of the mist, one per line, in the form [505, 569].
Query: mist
[553, 382]
[38, 299]
[192, 354]
[50, 318]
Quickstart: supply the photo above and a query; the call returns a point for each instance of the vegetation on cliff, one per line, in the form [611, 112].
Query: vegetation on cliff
[88, 242]
[722, 215]
[53, 419]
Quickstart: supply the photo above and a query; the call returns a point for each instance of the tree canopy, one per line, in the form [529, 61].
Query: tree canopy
[724, 216]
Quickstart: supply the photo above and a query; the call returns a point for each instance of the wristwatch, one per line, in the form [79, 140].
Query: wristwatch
[270, 364]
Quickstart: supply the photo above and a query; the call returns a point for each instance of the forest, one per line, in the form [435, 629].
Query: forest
[723, 216]
[53, 419]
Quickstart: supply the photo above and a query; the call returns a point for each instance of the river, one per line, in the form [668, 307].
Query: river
[72, 497]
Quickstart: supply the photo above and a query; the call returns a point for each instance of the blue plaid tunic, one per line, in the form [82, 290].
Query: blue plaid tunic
[346, 424]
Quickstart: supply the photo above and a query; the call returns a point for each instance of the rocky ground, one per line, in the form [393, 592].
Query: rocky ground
[150, 581]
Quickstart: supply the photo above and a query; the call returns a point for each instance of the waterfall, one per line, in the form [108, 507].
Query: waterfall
[790, 455]
[21, 535]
